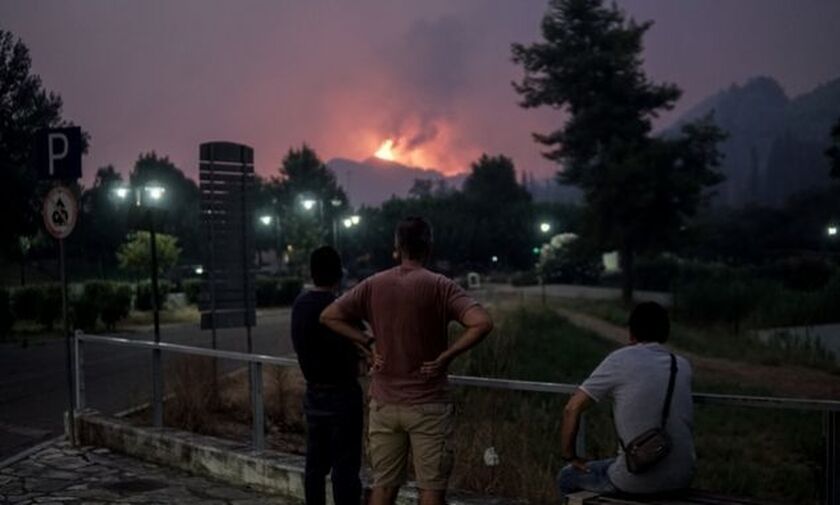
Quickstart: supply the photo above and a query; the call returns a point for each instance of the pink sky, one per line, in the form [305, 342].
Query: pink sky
[434, 76]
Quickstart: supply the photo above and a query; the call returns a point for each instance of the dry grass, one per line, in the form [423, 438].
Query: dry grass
[284, 399]
[191, 379]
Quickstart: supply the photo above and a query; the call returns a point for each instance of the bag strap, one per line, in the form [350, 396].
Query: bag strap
[666, 409]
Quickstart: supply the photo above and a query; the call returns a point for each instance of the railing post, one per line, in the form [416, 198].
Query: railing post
[157, 389]
[258, 417]
[80, 372]
[580, 442]
[832, 457]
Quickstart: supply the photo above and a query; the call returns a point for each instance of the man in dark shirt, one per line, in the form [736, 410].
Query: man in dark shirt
[333, 401]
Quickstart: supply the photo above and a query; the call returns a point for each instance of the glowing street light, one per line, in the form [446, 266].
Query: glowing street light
[199, 270]
[155, 192]
[121, 192]
[151, 197]
[309, 203]
[832, 231]
[266, 220]
[348, 223]
[356, 219]
[545, 227]
[495, 259]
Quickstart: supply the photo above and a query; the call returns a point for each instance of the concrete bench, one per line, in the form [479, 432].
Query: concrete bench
[687, 498]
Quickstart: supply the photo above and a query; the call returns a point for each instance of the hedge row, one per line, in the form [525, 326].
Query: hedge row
[89, 303]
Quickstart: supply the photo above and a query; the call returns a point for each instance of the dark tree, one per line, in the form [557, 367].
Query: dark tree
[502, 223]
[102, 226]
[25, 108]
[181, 215]
[637, 189]
[303, 176]
[833, 152]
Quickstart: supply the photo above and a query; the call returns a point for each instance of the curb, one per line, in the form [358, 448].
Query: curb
[11, 460]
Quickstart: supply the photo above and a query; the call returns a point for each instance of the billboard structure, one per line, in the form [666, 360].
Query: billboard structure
[227, 183]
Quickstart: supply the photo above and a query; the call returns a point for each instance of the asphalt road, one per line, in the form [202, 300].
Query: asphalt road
[33, 381]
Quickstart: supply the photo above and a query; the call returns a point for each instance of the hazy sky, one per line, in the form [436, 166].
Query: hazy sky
[343, 76]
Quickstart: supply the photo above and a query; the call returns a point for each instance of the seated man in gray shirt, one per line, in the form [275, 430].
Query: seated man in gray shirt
[635, 378]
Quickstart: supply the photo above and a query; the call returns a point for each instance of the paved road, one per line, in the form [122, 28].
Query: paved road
[33, 387]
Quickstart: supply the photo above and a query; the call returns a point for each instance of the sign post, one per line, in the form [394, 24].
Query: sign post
[60, 212]
[58, 157]
[228, 298]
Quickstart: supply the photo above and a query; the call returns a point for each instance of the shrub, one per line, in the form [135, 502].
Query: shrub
[266, 290]
[117, 305]
[799, 273]
[25, 302]
[84, 313]
[192, 290]
[728, 299]
[273, 292]
[524, 279]
[656, 274]
[290, 288]
[49, 308]
[144, 294]
[6, 317]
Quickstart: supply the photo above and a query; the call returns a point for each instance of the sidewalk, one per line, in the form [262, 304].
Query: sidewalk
[60, 474]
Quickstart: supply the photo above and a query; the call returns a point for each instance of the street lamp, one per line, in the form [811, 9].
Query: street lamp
[266, 220]
[545, 227]
[151, 196]
[832, 230]
[308, 203]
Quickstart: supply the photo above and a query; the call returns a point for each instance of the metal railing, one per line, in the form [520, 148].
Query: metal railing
[829, 408]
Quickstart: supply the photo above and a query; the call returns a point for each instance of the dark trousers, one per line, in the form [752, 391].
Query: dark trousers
[333, 442]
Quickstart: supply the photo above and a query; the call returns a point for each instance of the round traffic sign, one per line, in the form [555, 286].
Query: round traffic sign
[60, 212]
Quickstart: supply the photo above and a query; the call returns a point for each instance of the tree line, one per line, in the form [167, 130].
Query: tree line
[643, 192]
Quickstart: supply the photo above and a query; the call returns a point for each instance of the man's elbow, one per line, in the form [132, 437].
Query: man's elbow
[482, 327]
[326, 317]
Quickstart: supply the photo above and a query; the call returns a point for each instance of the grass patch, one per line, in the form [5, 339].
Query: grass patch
[720, 340]
[747, 452]
[185, 314]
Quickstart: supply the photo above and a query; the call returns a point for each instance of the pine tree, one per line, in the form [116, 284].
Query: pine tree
[638, 189]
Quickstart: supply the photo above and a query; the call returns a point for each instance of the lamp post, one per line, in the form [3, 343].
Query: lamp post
[545, 229]
[348, 222]
[151, 196]
[309, 203]
[267, 220]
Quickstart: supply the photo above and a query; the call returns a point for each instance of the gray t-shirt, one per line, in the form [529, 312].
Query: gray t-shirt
[636, 379]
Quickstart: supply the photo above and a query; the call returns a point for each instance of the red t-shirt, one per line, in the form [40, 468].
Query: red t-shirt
[409, 310]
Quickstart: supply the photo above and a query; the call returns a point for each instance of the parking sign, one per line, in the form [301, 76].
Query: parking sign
[58, 154]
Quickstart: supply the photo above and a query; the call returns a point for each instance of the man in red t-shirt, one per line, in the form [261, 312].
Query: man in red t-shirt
[409, 309]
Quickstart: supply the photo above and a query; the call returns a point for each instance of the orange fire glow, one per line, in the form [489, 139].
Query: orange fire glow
[386, 151]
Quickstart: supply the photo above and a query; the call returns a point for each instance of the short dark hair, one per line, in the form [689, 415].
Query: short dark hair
[325, 266]
[414, 238]
[649, 323]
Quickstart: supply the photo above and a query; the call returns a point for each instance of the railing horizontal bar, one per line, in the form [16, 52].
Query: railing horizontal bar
[701, 398]
[485, 382]
[513, 384]
[185, 349]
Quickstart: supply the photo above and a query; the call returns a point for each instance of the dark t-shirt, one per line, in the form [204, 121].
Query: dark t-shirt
[325, 357]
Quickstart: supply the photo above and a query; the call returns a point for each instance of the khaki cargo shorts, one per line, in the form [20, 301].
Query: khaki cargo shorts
[425, 429]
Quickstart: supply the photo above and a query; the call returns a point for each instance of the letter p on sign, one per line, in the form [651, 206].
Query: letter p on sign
[58, 153]
[54, 152]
